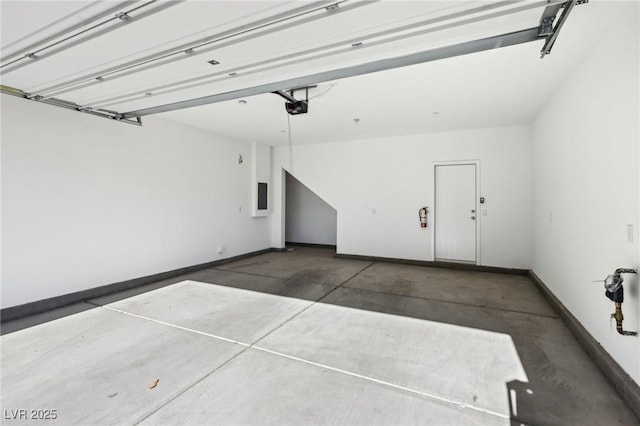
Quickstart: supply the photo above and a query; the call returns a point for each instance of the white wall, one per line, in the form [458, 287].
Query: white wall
[88, 202]
[394, 177]
[309, 219]
[586, 172]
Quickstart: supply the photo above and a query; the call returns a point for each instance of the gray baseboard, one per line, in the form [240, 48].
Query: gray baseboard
[621, 381]
[326, 246]
[436, 264]
[39, 306]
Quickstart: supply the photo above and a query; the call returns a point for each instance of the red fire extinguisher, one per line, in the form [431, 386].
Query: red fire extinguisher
[422, 214]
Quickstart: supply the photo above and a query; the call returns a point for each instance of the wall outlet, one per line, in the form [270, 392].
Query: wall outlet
[221, 249]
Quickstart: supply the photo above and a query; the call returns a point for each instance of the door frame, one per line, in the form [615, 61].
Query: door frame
[432, 202]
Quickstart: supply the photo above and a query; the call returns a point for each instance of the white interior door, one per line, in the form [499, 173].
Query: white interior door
[455, 213]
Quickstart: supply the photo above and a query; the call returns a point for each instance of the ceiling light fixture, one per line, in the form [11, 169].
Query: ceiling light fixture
[242, 101]
[212, 62]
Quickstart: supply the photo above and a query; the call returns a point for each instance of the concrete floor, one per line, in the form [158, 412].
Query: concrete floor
[302, 338]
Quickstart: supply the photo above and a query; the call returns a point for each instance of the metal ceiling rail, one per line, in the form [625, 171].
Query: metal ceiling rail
[83, 23]
[65, 18]
[72, 106]
[489, 43]
[551, 38]
[504, 40]
[250, 69]
[184, 48]
[118, 19]
[212, 45]
[543, 31]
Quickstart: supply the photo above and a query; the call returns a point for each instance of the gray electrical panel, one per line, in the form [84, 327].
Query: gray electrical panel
[262, 196]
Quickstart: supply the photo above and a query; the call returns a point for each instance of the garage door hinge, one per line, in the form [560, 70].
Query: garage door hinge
[546, 26]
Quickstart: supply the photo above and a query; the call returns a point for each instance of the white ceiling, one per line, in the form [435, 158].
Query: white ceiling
[498, 87]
